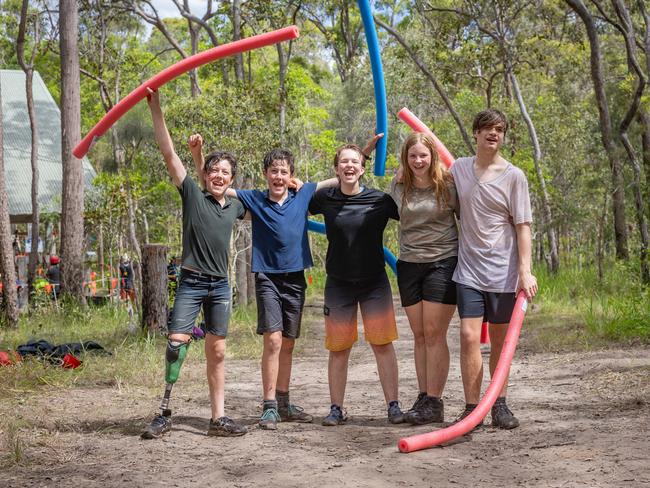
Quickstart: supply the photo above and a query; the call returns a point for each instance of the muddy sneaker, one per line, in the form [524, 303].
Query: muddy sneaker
[269, 419]
[336, 417]
[225, 427]
[502, 417]
[469, 408]
[431, 410]
[293, 413]
[158, 426]
[395, 414]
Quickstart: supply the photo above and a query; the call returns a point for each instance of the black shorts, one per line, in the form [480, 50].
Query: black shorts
[427, 281]
[495, 308]
[280, 299]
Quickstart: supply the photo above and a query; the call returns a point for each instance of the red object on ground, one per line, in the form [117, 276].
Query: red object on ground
[423, 441]
[9, 358]
[485, 333]
[69, 361]
[447, 159]
[176, 70]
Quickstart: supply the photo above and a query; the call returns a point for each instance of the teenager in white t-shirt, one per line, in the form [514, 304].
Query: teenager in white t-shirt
[494, 254]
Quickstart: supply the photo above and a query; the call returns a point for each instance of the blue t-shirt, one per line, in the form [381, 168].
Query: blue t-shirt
[280, 243]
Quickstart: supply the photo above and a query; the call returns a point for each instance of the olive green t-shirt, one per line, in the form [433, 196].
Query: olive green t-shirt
[207, 227]
[427, 231]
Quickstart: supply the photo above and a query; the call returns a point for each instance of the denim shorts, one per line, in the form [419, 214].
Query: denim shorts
[197, 289]
[280, 299]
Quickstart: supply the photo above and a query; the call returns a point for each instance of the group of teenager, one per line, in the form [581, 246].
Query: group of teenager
[478, 270]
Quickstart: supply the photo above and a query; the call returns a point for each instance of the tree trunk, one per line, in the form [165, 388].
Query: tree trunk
[7, 269]
[154, 287]
[547, 216]
[23, 292]
[236, 35]
[72, 205]
[618, 192]
[283, 62]
[28, 69]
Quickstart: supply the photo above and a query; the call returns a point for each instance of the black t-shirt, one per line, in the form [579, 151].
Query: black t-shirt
[53, 274]
[207, 227]
[355, 229]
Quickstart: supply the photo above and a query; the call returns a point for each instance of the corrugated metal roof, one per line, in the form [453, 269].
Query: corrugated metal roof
[17, 144]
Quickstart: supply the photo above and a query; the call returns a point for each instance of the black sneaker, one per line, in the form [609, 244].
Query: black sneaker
[502, 417]
[158, 426]
[225, 427]
[269, 419]
[469, 409]
[293, 413]
[336, 417]
[395, 414]
[430, 410]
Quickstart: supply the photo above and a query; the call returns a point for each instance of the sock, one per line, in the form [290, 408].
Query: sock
[270, 404]
[500, 401]
[282, 398]
[394, 402]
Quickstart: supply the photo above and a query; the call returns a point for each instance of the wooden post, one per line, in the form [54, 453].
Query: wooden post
[154, 287]
[23, 294]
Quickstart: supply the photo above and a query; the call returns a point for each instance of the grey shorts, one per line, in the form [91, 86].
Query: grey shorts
[495, 308]
[280, 299]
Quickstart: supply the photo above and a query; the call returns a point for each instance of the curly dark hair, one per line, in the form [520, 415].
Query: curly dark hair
[217, 156]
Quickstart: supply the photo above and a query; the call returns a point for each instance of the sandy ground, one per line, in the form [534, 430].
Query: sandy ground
[584, 422]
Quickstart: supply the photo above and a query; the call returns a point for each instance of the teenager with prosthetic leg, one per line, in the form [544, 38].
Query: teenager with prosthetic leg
[494, 255]
[426, 198]
[355, 219]
[280, 255]
[208, 219]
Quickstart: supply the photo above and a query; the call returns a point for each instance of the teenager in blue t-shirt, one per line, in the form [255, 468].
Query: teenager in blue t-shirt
[280, 256]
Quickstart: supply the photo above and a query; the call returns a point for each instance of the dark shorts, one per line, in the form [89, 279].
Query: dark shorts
[495, 308]
[343, 299]
[280, 299]
[196, 290]
[427, 281]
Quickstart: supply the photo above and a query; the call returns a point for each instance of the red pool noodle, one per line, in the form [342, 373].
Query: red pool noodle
[423, 441]
[176, 70]
[417, 125]
[447, 159]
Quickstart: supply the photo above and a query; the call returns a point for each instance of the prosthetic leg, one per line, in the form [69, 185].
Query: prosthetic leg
[174, 357]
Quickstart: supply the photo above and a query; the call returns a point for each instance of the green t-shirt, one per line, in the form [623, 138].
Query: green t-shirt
[207, 227]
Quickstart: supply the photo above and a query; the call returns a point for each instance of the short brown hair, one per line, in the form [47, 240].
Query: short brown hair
[490, 118]
[354, 147]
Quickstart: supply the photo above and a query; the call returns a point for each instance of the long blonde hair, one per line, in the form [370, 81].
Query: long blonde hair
[439, 177]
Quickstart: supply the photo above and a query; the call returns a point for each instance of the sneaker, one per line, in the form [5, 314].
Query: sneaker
[225, 427]
[158, 426]
[502, 417]
[293, 413]
[395, 414]
[430, 410]
[336, 417]
[269, 419]
[465, 413]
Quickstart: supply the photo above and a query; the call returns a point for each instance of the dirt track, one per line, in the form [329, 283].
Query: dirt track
[584, 422]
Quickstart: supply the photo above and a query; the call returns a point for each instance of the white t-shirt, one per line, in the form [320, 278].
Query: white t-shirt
[488, 255]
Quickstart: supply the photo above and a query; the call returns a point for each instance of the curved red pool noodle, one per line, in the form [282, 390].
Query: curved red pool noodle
[417, 125]
[176, 70]
[423, 441]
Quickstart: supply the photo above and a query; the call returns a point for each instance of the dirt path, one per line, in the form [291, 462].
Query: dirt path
[584, 423]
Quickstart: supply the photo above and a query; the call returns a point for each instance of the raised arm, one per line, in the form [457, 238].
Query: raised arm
[195, 143]
[175, 167]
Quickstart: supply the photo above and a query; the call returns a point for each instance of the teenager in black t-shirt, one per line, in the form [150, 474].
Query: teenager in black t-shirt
[355, 218]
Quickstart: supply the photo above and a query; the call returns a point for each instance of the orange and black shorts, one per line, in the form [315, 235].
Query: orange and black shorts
[344, 298]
